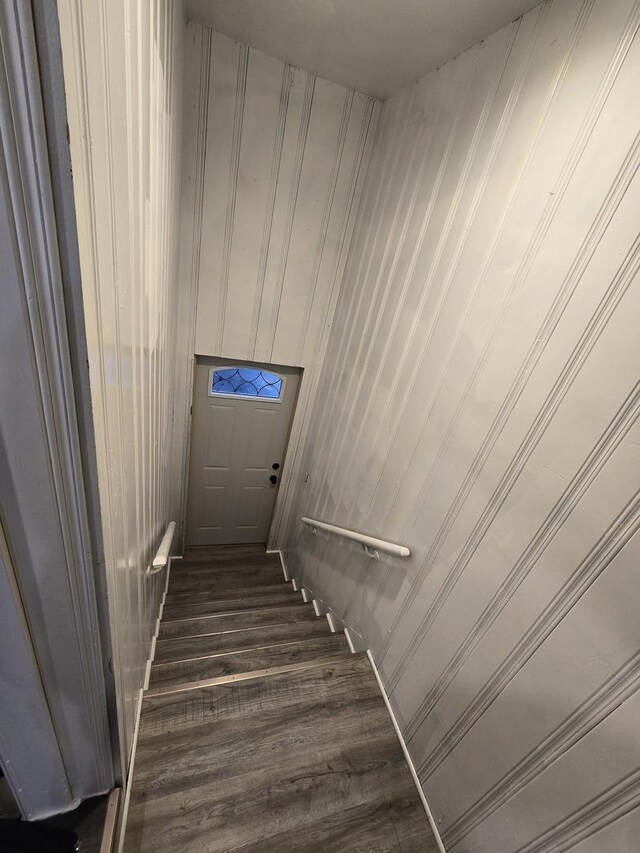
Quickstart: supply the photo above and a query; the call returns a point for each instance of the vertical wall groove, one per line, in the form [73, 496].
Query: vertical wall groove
[293, 200]
[287, 82]
[324, 225]
[123, 78]
[236, 141]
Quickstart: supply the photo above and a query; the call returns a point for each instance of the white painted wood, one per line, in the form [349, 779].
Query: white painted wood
[407, 754]
[123, 75]
[162, 554]
[282, 563]
[479, 402]
[274, 167]
[367, 542]
[124, 812]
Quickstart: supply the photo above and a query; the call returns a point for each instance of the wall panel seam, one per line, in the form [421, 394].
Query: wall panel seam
[480, 283]
[294, 188]
[598, 456]
[610, 805]
[340, 411]
[286, 504]
[622, 685]
[617, 535]
[232, 191]
[560, 387]
[310, 290]
[283, 108]
[488, 165]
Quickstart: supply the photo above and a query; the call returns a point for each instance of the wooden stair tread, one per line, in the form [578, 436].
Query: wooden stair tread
[213, 623]
[228, 564]
[248, 660]
[286, 598]
[231, 592]
[245, 698]
[159, 765]
[295, 750]
[206, 580]
[268, 672]
[174, 649]
[264, 802]
[395, 823]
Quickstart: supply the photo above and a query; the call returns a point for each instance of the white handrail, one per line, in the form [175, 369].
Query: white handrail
[162, 554]
[370, 544]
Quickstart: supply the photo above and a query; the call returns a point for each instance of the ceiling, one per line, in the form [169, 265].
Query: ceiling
[374, 46]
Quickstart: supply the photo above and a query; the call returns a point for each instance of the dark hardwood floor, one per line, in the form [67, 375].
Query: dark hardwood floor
[260, 731]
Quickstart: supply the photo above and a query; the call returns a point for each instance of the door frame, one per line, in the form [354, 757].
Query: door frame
[222, 361]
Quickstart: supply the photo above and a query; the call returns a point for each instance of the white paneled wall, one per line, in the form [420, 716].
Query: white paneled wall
[123, 63]
[275, 161]
[479, 403]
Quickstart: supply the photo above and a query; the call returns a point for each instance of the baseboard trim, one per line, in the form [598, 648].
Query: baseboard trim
[430, 817]
[110, 822]
[152, 650]
[282, 563]
[349, 641]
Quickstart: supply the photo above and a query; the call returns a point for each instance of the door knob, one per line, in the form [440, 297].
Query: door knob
[273, 479]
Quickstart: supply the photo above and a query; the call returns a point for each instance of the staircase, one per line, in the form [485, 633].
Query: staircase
[260, 731]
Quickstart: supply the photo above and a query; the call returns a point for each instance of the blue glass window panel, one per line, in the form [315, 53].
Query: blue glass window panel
[246, 382]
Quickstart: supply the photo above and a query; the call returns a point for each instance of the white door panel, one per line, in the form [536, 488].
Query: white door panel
[236, 442]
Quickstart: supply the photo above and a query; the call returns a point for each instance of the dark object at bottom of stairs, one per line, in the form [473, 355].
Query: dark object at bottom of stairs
[16, 836]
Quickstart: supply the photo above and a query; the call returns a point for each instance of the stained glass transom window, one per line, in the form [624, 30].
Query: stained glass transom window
[246, 382]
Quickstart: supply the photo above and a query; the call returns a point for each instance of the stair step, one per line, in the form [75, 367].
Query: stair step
[254, 561]
[222, 571]
[211, 580]
[215, 666]
[284, 694]
[275, 763]
[235, 678]
[233, 592]
[287, 598]
[393, 822]
[177, 649]
[217, 622]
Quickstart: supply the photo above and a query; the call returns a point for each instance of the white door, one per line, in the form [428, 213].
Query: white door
[241, 418]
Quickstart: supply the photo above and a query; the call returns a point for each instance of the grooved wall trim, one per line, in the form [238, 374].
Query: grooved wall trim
[479, 403]
[123, 75]
[274, 167]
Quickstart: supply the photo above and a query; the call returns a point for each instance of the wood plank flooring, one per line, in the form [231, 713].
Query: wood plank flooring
[260, 731]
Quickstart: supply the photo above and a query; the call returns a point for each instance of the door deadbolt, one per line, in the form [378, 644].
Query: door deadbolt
[275, 466]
